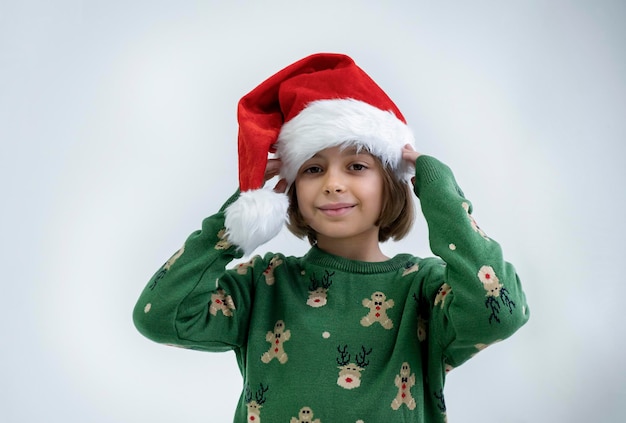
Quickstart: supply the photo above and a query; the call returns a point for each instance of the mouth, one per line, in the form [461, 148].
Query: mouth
[336, 209]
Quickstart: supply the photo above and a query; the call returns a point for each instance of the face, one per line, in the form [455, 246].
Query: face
[340, 195]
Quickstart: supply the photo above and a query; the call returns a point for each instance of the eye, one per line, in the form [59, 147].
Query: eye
[358, 166]
[312, 169]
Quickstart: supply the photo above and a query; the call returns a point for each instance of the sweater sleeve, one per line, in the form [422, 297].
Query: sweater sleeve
[192, 301]
[475, 295]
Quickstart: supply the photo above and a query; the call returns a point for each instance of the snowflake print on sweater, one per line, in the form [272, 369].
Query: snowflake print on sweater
[276, 351]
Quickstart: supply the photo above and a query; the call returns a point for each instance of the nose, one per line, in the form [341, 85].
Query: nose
[333, 182]
[330, 189]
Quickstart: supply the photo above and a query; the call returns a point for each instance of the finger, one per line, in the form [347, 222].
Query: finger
[281, 186]
[409, 153]
[273, 164]
[272, 168]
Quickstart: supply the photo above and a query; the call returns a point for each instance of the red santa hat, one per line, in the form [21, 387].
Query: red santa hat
[321, 101]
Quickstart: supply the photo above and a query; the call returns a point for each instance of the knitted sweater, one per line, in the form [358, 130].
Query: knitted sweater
[324, 339]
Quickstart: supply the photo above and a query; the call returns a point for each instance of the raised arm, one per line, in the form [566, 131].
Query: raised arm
[192, 300]
[476, 296]
[183, 304]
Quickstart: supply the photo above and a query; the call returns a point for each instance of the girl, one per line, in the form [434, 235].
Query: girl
[344, 333]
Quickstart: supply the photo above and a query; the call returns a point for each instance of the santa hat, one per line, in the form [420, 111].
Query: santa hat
[324, 100]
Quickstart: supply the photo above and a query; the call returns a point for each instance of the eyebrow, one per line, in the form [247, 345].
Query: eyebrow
[348, 151]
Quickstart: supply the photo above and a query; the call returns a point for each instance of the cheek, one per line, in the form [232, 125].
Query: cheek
[304, 200]
[375, 194]
[306, 189]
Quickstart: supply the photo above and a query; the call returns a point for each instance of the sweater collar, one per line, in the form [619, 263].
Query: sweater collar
[324, 259]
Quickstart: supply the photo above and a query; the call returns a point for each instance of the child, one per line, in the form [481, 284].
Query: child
[344, 333]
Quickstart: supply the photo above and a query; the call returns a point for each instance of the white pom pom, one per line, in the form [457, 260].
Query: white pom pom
[255, 217]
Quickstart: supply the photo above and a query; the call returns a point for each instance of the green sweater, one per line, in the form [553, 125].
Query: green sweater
[323, 339]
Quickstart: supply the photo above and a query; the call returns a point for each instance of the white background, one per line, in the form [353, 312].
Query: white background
[118, 132]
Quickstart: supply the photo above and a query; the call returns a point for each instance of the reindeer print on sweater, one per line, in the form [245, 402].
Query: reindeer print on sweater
[378, 305]
[349, 372]
[441, 403]
[495, 290]
[318, 335]
[318, 290]
[409, 268]
[277, 338]
[254, 405]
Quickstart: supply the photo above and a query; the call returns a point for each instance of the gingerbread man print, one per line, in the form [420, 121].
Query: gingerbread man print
[220, 301]
[166, 266]
[269, 271]
[242, 268]
[378, 305]
[442, 294]
[277, 338]
[404, 381]
[473, 223]
[223, 243]
[305, 415]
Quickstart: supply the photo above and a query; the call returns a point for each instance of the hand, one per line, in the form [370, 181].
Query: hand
[273, 169]
[409, 154]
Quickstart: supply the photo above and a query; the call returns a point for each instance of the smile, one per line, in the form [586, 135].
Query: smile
[337, 209]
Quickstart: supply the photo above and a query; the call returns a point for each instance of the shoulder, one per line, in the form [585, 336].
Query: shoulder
[266, 262]
[419, 263]
[429, 270]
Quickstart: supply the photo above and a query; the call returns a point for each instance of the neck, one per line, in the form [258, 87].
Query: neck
[352, 249]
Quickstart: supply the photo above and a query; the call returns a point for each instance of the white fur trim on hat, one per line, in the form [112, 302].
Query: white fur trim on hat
[330, 123]
[255, 217]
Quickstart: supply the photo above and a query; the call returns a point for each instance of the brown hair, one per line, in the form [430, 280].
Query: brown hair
[396, 216]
